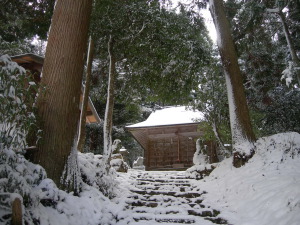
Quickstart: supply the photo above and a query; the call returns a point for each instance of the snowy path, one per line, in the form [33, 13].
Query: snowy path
[165, 198]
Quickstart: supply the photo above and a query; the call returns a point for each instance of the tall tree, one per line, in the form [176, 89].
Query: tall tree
[107, 127]
[241, 129]
[58, 101]
[263, 56]
[85, 98]
[149, 50]
[210, 99]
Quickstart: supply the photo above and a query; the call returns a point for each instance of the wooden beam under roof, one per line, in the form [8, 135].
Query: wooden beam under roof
[34, 63]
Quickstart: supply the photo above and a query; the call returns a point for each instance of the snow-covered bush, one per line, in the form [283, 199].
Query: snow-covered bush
[40, 197]
[118, 163]
[15, 47]
[87, 169]
[93, 172]
[16, 100]
[200, 171]
[18, 176]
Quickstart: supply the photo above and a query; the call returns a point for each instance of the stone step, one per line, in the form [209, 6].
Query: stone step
[218, 220]
[152, 204]
[169, 177]
[187, 184]
[175, 216]
[144, 203]
[163, 215]
[204, 213]
[170, 211]
[175, 220]
[165, 187]
[165, 198]
[134, 203]
[211, 215]
[170, 218]
[169, 193]
[161, 180]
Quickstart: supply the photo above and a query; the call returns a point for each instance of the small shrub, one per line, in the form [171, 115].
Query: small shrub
[16, 104]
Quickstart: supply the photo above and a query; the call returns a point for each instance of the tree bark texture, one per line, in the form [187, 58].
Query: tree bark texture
[82, 122]
[290, 44]
[58, 100]
[239, 114]
[107, 128]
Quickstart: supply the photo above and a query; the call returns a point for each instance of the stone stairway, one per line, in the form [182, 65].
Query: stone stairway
[167, 198]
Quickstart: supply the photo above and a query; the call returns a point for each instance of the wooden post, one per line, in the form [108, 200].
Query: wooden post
[178, 149]
[148, 155]
[16, 218]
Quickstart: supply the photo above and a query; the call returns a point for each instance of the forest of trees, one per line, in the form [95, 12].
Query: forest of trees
[148, 55]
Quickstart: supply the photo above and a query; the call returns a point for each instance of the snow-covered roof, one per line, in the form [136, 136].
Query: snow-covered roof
[170, 116]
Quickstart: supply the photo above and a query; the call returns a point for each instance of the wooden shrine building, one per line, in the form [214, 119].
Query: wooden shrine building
[34, 64]
[168, 138]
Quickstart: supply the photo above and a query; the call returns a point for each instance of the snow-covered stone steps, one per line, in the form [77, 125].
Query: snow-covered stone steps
[178, 217]
[167, 198]
[164, 199]
[192, 206]
[165, 186]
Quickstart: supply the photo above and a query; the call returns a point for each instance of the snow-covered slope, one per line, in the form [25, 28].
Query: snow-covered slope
[265, 191]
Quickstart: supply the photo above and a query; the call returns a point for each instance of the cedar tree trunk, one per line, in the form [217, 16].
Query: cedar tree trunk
[107, 127]
[82, 122]
[58, 102]
[242, 133]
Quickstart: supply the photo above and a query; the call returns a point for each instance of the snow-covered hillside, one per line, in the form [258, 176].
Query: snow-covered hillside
[265, 191]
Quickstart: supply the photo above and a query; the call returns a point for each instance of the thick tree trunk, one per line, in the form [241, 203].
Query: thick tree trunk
[107, 128]
[242, 133]
[289, 41]
[82, 122]
[58, 102]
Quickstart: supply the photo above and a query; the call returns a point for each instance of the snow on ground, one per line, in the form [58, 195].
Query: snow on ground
[265, 191]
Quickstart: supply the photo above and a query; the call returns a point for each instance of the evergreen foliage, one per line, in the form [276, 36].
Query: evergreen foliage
[123, 115]
[21, 19]
[264, 56]
[210, 98]
[17, 116]
[159, 53]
